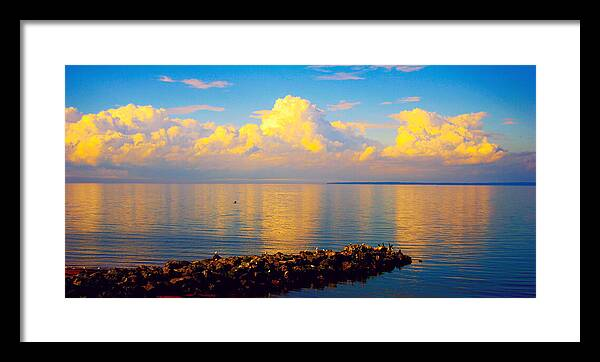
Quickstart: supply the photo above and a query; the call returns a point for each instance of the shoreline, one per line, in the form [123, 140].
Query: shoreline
[423, 183]
[237, 276]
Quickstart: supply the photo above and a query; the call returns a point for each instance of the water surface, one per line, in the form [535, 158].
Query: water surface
[473, 240]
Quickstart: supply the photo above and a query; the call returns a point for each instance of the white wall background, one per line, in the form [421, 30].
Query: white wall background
[555, 50]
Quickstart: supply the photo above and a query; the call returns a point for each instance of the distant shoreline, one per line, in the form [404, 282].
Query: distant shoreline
[435, 183]
[258, 182]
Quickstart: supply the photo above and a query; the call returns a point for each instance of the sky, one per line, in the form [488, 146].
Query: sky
[300, 123]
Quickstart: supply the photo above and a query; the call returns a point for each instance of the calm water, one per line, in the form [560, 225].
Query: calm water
[474, 241]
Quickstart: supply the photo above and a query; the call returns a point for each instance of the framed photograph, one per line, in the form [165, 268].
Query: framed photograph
[222, 172]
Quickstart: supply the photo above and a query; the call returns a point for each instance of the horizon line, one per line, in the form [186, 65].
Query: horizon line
[440, 183]
[275, 181]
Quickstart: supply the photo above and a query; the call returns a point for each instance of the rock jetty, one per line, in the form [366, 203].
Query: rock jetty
[238, 276]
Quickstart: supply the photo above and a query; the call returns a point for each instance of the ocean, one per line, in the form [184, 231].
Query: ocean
[466, 240]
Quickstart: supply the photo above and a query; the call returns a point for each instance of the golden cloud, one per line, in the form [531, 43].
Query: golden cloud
[296, 122]
[457, 140]
[131, 135]
[293, 133]
[361, 127]
[140, 135]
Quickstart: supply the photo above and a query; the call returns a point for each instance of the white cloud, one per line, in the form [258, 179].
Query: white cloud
[197, 83]
[357, 71]
[340, 76]
[342, 106]
[164, 78]
[411, 99]
[401, 68]
[260, 113]
[194, 108]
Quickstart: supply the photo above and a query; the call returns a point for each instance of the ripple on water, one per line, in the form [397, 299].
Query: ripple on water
[474, 241]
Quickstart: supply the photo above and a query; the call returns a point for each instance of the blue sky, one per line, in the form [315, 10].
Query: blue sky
[505, 93]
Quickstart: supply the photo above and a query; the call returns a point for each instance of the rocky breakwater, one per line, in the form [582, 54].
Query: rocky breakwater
[238, 276]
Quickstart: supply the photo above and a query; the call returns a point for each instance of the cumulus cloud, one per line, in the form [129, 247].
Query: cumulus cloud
[130, 135]
[300, 124]
[292, 135]
[361, 127]
[456, 140]
[72, 115]
[367, 154]
[342, 106]
[194, 108]
[509, 121]
[142, 135]
[197, 83]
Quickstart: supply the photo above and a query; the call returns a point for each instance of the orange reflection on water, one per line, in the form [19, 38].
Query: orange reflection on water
[290, 216]
[96, 209]
[149, 222]
[466, 235]
[83, 204]
[431, 215]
